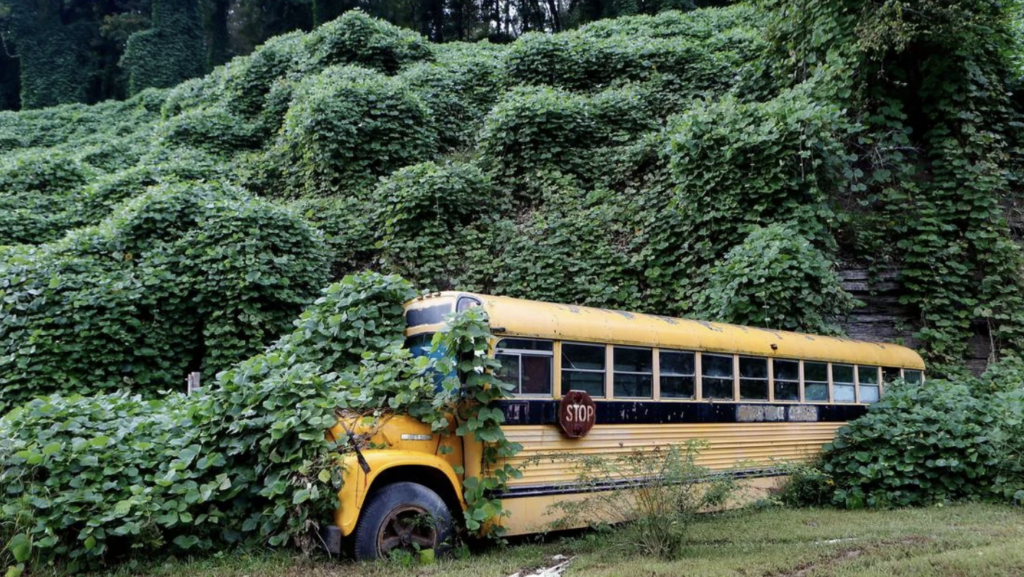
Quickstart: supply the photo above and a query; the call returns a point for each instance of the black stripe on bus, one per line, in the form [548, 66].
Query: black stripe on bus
[545, 412]
[617, 484]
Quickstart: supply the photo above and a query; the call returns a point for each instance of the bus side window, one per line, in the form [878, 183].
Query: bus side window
[527, 365]
[912, 376]
[867, 379]
[716, 375]
[890, 375]
[815, 382]
[677, 374]
[843, 388]
[753, 379]
[583, 368]
[633, 372]
[787, 380]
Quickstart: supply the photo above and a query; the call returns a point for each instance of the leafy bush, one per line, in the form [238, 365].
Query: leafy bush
[806, 485]
[187, 277]
[348, 230]
[942, 441]
[577, 61]
[531, 129]
[355, 38]
[41, 171]
[425, 210]
[170, 52]
[213, 129]
[775, 279]
[347, 126]
[248, 79]
[459, 89]
[89, 478]
[739, 165]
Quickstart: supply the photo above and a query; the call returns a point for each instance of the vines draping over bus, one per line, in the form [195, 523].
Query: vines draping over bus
[88, 479]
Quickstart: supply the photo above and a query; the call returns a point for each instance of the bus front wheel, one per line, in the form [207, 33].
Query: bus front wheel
[402, 517]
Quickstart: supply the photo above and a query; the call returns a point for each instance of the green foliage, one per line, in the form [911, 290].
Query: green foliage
[459, 88]
[52, 57]
[168, 53]
[187, 277]
[101, 476]
[736, 166]
[355, 38]
[579, 61]
[346, 127]
[349, 234]
[425, 210]
[532, 129]
[806, 485]
[939, 442]
[775, 279]
[927, 84]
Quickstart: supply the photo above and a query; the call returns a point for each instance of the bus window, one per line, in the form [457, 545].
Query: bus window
[753, 379]
[677, 375]
[890, 375]
[633, 372]
[912, 376]
[716, 376]
[526, 364]
[815, 382]
[583, 368]
[867, 379]
[787, 380]
[843, 388]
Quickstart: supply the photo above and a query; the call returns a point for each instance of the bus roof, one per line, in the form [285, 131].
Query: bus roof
[526, 318]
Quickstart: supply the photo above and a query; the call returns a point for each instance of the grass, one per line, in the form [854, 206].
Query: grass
[962, 540]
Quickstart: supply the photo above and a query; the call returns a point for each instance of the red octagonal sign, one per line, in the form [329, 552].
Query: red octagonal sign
[576, 414]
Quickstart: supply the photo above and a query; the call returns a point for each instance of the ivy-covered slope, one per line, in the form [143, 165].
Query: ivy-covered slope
[717, 163]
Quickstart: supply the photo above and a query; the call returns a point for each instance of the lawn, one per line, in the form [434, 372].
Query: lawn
[967, 540]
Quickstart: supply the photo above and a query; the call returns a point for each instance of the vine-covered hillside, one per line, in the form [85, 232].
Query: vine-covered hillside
[717, 163]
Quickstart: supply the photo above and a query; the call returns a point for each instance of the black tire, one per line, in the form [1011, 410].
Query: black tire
[395, 505]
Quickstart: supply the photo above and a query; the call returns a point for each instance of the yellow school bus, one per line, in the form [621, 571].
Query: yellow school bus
[755, 396]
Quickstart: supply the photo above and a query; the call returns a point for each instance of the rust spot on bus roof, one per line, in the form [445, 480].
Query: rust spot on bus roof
[668, 320]
[710, 326]
[629, 316]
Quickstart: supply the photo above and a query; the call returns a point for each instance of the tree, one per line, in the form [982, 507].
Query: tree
[171, 51]
[53, 63]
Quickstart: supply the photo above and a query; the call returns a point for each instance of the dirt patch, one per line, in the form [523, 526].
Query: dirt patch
[844, 556]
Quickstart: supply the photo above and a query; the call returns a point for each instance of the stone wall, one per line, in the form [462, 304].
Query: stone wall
[883, 318]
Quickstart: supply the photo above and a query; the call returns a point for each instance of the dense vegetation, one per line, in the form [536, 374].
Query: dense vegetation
[66, 51]
[718, 163]
[91, 478]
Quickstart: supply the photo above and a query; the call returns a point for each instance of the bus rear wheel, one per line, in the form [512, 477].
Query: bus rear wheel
[402, 517]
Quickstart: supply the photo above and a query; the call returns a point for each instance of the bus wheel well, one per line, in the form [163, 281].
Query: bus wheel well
[429, 477]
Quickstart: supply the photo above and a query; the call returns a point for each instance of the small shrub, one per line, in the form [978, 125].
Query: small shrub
[656, 495]
[806, 485]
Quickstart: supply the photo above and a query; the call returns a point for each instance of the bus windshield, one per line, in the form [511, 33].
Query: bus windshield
[420, 346]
